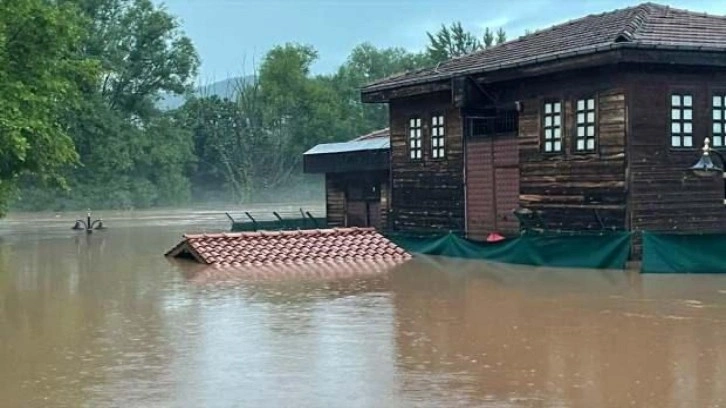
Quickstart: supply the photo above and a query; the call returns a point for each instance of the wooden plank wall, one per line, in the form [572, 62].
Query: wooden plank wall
[335, 200]
[663, 195]
[427, 194]
[568, 187]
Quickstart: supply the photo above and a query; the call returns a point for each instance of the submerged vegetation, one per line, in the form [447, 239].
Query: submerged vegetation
[82, 126]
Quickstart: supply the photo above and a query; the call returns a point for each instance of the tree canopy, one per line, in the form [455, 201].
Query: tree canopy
[80, 89]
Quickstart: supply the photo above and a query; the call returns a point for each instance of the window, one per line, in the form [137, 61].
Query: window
[719, 120]
[414, 138]
[552, 127]
[438, 137]
[585, 121]
[681, 120]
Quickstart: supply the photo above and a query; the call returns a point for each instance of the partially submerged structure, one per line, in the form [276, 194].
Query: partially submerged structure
[591, 124]
[255, 249]
[357, 174]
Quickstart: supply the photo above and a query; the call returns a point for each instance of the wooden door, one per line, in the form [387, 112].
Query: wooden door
[492, 185]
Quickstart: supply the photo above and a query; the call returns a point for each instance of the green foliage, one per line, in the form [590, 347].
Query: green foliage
[129, 153]
[453, 41]
[41, 77]
[80, 81]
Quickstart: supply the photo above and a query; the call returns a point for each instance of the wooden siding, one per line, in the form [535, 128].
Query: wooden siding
[572, 189]
[427, 194]
[492, 185]
[335, 200]
[663, 195]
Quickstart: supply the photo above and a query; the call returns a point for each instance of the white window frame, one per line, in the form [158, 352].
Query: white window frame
[586, 125]
[552, 127]
[438, 136]
[681, 120]
[415, 138]
[718, 120]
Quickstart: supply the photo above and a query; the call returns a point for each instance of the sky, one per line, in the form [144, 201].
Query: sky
[232, 36]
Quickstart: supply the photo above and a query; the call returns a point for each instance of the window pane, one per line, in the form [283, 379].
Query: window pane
[676, 128]
[548, 146]
[548, 121]
[717, 114]
[556, 133]
[548, 108]
[591, 131]
[558, 146]
[557, 107]
[676, 114]
[590, 104]
[717, 141]
[688, 141]
[717, 101]
[687, 114]
[675, 100]
[580, 118]
[413, 144]
[581, 104]
[581, 144]
[675, 141]
[687, 100]
[591, 117]
[580, 131]
[717, 128]
[418, 122]
[688, 127]
[590, 144]
[558, 118]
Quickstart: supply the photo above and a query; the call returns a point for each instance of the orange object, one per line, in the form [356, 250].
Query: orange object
[495, 237]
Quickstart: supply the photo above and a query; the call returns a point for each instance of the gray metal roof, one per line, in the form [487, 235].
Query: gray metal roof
[378, 143]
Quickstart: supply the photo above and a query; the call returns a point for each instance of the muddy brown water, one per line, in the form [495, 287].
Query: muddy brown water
[104, 320]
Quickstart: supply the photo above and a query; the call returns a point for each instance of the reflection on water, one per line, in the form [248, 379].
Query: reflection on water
[105, 320]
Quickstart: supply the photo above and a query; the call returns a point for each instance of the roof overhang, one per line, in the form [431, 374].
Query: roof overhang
[588, 57]
[354, 156]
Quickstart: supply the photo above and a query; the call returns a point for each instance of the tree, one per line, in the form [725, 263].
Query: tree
[130, 153]
[41, 80]
[501, 36]
[454, 41]
[364, 65]
[450, 42]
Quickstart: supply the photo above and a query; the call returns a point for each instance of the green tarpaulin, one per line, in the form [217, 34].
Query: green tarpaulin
[602, 250]
[684, 253]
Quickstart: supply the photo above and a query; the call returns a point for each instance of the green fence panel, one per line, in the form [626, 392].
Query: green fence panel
[684, 253]
[608, 250]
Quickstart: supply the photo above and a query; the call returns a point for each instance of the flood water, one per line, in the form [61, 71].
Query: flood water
[104, 320]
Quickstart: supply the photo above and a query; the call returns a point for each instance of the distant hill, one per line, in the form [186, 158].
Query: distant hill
[223, 89]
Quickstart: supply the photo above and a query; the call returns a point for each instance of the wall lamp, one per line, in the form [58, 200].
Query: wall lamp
[705, 167]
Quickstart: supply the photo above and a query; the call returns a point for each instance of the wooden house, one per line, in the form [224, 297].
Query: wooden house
[591, 123]
[356, 179]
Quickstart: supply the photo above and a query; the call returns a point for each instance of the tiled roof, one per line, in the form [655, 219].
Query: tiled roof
[289, 247]
[647, 25]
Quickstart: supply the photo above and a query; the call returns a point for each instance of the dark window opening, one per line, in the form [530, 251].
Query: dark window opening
[502, 122]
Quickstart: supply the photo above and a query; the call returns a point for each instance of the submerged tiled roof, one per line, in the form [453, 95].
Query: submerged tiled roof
[648, 25]
[289, 247]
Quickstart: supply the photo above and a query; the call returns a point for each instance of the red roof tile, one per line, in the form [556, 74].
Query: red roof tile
[289, 247]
